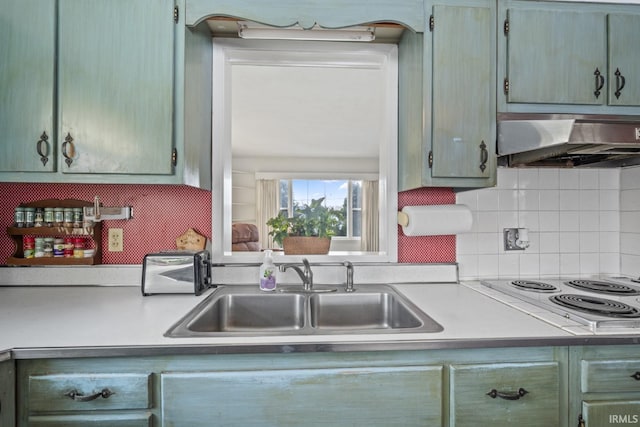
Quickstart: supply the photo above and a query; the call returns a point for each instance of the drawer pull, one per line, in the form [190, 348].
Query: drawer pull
[507, 395]
[76, 395]
[636, 376]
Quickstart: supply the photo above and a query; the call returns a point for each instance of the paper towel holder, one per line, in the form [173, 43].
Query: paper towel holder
[403, 219]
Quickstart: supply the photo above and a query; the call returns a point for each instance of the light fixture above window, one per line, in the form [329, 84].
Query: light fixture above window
[252, 30]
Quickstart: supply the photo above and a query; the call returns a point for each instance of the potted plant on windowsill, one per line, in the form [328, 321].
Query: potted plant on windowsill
[309, 231]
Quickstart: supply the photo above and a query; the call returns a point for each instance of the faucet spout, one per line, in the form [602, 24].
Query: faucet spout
[349, 287]
[306, 275]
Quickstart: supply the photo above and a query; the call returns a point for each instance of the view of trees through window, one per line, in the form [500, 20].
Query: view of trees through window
[343, 195]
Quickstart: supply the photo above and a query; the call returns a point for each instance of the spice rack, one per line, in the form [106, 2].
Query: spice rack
[94, 233]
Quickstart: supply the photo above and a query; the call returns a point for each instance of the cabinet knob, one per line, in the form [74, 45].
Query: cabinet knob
[42, 147]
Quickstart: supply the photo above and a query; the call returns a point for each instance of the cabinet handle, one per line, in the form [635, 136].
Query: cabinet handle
[68, 155]
[76, 395]
[580, 421]
[484, 156]
[42, 147]
[636, 376]
[620, 81]
[599, 82]
[507, 395]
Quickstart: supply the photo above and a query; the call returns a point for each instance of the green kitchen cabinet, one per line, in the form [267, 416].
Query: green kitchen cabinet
[568, 57]
[353, 395]
[379, 388]
[7, 392]
[113, 90]
[606, 381]
[447, 127]
[27, 86]
[523, 394]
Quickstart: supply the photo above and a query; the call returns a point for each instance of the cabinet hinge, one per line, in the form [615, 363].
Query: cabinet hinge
[431, 23]
[581, 421]
[176, 14]
[430, 159]
[174, 157]
[506, 27]
[505, 86]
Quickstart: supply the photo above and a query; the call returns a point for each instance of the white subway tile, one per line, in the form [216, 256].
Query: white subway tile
[549, 221]
[610, 263]
[569, 264]
[630, 200]
[569, 242]
[549, 200]
[589, 242]
[529, 200]
[569, 179]
[569, 220]
[549, 265]
[589, 200]
[529, 219]
[508, 219]
[467, 243]
[630, 222]
[468, 198]
[527, 178]
[487, 222]
[487, 266]
[610, 221]
[548, 179]
[589, 264]
[589, 221]
[589, 179]
[609, 179]
[549, 243]
[488, 200]
[507, 178]
[569, 200]
[630, 178]
[509, 265]
[609, 200]
[467, 267]
[609, 241]
[508, 200]
[489, 243]
[529, 264]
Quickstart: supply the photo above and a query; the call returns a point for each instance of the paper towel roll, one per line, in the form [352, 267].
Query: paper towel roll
[435, 220]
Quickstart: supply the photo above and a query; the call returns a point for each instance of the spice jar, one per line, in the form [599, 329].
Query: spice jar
[18, 217]
[39, 249]
[29, 217]
[78, 247]
[58, 217]
[68, 217]
[29, 244]
[48, 247]
[68, 247]
[48, 217]
[58, 247]
[39, 218]
[77, 217]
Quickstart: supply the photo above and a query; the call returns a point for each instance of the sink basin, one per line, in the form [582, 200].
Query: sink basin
[366, 310]
[250, 312]
[244, 310]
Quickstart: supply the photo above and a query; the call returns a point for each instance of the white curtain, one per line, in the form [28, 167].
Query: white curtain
[267, 202]
[370, 239]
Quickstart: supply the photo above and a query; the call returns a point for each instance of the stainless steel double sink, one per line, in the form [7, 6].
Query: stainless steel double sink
[245, 310]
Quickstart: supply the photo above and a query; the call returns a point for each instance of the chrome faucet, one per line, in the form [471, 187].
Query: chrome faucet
[349, 287]
[306, 275]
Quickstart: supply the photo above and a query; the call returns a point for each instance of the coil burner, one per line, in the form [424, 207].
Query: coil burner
[602, 287]
[596, 305]
[534, 286]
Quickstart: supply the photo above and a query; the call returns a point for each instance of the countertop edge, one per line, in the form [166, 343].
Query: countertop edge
[361, 346]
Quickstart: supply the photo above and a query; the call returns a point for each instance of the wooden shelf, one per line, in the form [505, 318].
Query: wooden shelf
[93, 233]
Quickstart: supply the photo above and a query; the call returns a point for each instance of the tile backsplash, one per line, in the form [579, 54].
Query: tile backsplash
[573, 216]
[630, 221]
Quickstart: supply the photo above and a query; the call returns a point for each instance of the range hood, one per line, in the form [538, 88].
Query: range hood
[564, 140]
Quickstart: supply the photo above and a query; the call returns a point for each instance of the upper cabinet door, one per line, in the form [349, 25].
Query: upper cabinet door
[556, 56]
[463, 94]
[27, 55]
[115, 90]
[624, 66]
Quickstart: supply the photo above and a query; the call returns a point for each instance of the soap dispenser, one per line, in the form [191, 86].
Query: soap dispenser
[267, 273]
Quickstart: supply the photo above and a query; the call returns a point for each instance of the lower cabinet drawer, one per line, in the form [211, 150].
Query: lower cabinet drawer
[78, 392]
[522, 394]
[610, 375]
[611, 413]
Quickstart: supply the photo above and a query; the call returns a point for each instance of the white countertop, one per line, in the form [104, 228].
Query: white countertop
[80, 317]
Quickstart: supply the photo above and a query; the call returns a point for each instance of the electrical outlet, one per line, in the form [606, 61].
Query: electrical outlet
[115, 240]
